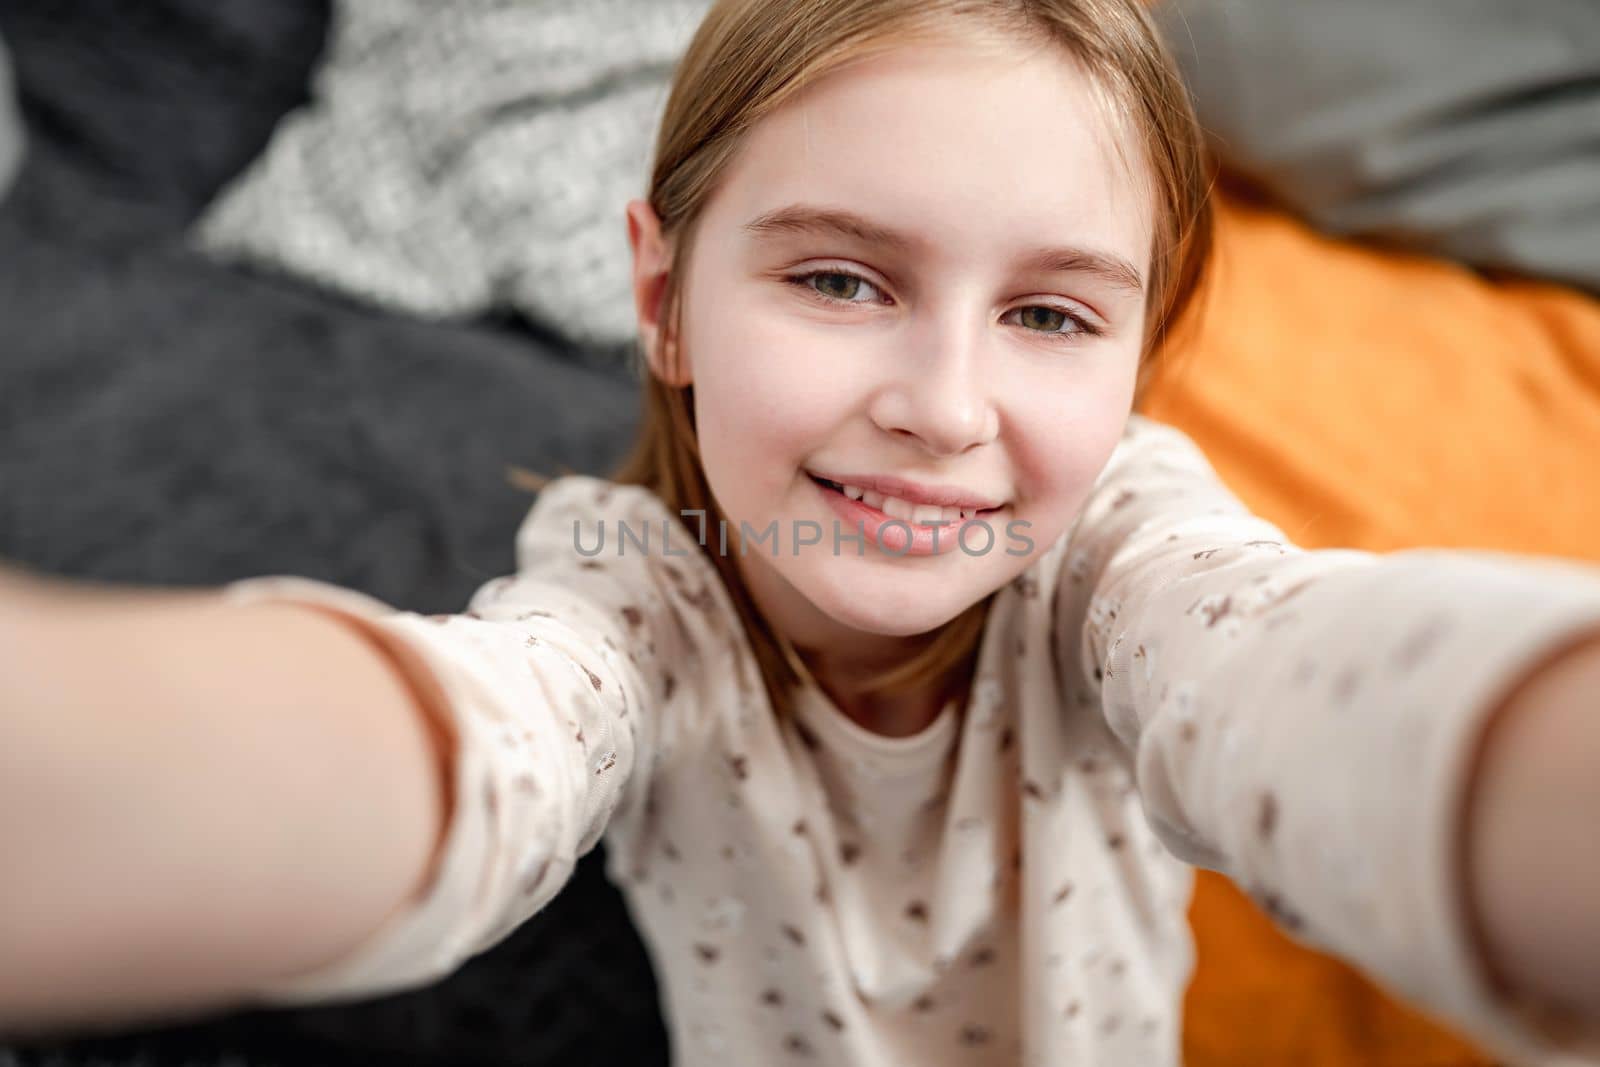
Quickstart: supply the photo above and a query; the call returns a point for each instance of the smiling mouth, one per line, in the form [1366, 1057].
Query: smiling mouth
[967, 514]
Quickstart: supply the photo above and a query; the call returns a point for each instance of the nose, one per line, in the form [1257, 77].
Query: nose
[938, 393]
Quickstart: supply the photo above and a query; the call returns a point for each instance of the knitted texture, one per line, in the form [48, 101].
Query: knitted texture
[462, 157]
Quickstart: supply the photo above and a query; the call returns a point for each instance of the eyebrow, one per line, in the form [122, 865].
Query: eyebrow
[807, 219]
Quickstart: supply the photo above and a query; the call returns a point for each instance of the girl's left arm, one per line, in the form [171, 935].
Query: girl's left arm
[1395, 755]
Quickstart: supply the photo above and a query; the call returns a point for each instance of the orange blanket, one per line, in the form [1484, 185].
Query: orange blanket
[1367, 399]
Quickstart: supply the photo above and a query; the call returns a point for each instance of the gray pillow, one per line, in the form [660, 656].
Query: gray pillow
[1468, 129]
[11, 140]
[468, 156]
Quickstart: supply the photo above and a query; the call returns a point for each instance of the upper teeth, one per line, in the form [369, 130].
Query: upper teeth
[915, 514]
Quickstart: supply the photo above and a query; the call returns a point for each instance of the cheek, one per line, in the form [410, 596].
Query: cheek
[1064, 432]
[768, 394]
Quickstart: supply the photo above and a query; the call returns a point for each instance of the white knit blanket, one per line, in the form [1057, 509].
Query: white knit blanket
[461, 157]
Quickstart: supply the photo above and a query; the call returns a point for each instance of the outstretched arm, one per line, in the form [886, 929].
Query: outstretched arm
[249, 770]
[178, 778]
[1309, 722]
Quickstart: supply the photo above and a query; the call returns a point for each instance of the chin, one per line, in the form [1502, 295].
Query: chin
[899, 613]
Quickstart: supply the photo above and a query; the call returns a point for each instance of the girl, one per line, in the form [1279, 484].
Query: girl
[906, 672]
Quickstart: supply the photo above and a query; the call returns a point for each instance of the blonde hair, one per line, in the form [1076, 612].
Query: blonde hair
[746, 59]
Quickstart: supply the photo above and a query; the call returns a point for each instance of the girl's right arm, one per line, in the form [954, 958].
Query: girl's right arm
[179, 777]
[287, 792]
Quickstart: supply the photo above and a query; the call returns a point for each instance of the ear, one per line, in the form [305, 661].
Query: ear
[652, 261]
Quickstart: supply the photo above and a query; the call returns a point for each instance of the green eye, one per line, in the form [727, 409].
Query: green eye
[835, 287]
[1054, 323]
[839, 286]
[1047, 320]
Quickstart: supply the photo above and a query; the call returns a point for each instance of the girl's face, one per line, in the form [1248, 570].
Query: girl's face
[928, 266]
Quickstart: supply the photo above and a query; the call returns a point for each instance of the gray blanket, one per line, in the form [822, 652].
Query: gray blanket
[1468, 129]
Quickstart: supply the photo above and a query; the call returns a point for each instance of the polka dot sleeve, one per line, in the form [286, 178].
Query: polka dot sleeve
[548, 718]
[1303, 720]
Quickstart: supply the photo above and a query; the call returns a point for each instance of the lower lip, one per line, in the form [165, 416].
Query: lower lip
[893, 540]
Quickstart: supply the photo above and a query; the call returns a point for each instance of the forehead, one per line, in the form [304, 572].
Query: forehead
[980, 149]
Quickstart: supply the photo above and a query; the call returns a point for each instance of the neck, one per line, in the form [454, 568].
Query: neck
[897, 713]
[841, 660]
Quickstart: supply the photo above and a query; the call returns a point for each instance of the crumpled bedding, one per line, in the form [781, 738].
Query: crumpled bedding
[1466, 129]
